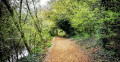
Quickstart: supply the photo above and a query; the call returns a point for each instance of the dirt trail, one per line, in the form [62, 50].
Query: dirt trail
[65, 50]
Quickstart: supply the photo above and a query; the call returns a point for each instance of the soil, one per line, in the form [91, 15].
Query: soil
[65, 50]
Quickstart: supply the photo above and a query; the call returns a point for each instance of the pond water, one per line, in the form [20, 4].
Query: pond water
[23, 53]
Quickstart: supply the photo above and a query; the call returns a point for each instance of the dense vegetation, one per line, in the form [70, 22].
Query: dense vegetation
[33, 27]
[21, 30]
[83, 19]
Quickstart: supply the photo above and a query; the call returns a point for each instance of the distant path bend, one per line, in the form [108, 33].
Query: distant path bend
[65, 50]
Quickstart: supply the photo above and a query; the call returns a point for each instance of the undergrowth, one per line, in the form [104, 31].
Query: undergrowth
[100, 54]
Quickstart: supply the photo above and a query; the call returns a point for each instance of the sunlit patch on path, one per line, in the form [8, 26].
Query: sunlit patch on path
[65, 50]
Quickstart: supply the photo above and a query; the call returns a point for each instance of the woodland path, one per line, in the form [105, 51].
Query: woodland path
[65, 50]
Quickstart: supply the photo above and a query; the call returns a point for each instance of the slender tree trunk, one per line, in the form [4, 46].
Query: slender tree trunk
[16, 24]
[9, 58]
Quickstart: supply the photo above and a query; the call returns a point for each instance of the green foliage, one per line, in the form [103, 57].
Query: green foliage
[89, 18]
[81, 19]
[48, 44]
[21, 30]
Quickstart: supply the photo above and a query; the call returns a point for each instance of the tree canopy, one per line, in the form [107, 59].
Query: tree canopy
[25, 24]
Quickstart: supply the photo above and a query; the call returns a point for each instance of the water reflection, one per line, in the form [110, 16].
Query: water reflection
[21, 54]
